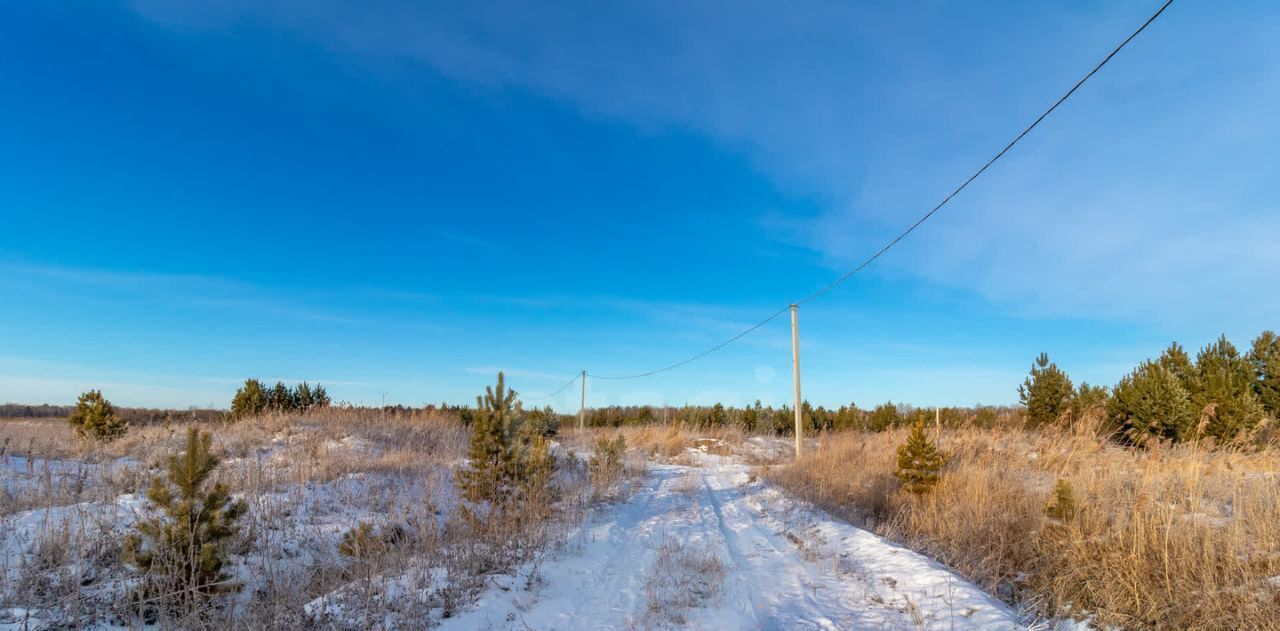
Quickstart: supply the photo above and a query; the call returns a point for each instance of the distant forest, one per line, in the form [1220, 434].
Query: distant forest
[135, 416]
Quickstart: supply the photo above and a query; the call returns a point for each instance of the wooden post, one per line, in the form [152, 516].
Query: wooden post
[582, 404]
[795, 374]
[937, 424]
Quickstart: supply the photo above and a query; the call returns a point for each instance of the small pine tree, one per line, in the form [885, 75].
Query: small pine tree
[1064, 502]
[1046, 392]
[360, 542]
[1225, 391]
[250, 400]
[1151, 402]
[183, 551]
[95, 417]
[1265, 359]
[537, 477]
[919, 460]
[1087, 399]
[492, 459]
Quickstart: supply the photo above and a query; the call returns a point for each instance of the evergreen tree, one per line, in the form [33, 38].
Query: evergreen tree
[1176, 361]
[1046, 392]
[95, 417]
[319, 397]
[884, 417]
[1265, 359]
[1225, 391]
[250, 400]
[302, 399]
[1151, 402]
[1064, 504]
[537, 476]
[919, 460]
[1086, 399]
[280, 399]
[492, 460]
[183, 551]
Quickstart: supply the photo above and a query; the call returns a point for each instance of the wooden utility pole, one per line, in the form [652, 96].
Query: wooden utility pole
[795, 374]
[582, 404]
[937, 424]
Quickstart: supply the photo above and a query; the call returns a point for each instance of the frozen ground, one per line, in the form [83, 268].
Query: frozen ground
[781, 565]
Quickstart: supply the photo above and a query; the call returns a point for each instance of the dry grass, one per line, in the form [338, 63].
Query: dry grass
[308, 479]
[1175, 537]
[683, 576]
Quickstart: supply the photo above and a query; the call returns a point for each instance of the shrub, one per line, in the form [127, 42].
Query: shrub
[1151, 402]
[1046, 392]
[183, 552]
[607, 459]
[919, 461]
[250, 400]
[544, 422]
[95, 417]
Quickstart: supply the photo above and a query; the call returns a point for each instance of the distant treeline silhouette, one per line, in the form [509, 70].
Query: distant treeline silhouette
[135, 416]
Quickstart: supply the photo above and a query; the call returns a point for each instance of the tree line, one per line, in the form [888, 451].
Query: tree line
[1224, 395]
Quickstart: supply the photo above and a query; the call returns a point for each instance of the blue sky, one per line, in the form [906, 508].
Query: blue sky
[398, 199]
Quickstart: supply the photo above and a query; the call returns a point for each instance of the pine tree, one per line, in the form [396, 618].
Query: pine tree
[320, 397]
[919, 460]
[1046, 392]
[95, 417]
[1151, 402]
[280, 399]
[250, 400]
[183, 550]
[1225, 391]
[492, 459]
[537, 477]
[884, 417]
[1086, 399]
[1176, 361]
[1265, 359]
[302, 399]
[1064, 504]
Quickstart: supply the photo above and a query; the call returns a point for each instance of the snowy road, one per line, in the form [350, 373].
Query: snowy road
[784, 566]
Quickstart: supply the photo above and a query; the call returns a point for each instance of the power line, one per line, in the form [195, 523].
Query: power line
[703, 353]
[923, 218]
[558, 391]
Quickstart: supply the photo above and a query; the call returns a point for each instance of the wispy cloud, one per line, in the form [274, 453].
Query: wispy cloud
[1103, 213]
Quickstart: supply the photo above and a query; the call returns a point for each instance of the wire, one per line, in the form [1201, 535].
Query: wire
[923, 218]
[993, 159]
[703, 353]
[561, 389]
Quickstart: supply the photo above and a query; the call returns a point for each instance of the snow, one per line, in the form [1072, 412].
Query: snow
[786, 566]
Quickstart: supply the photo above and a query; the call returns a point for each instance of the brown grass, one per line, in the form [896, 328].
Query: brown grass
[1175, 537]
[393, 470]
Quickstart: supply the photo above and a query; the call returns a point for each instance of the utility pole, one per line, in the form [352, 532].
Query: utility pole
[582, 404]
[795, 373]
[937, 424]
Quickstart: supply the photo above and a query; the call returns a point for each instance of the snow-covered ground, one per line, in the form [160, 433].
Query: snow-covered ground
[782, 565]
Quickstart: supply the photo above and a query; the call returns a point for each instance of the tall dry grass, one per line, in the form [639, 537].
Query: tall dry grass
[1170, 537]
[308, 479]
